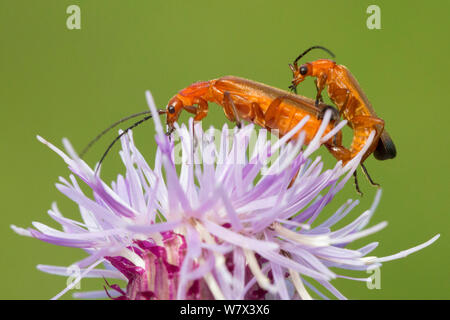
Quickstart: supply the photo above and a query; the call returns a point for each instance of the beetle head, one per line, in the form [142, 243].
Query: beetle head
[305, 69]
[173, 110]
[299, 73]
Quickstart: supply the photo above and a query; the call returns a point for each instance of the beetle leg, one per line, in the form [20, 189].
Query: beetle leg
[339, 151]
[357, 184]
[320, 85]
[230, 109]
[199, 111]
[367, 122]
[319, 97]
[272, 113]
[191, 109]
[337, 139]
[227, 109]
[347, 106]
[366, 173]
[256, 115]
[202, 110]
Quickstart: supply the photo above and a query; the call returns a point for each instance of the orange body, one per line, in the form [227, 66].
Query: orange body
[353, 105]
[266, 106]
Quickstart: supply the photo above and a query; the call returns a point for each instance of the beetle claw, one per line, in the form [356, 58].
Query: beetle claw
[293, 88]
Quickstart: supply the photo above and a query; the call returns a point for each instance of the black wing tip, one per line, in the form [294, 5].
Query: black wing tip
[385, 150]
[384, 156]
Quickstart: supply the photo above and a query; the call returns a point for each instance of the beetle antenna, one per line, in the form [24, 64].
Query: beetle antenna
[312, 48]
[91, 143]
[121, 134]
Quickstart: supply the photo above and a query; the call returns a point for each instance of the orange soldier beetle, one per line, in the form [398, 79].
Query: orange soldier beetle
[266, 106]
[353, 105]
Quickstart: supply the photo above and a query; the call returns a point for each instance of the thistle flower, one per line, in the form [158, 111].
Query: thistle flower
[224, 226]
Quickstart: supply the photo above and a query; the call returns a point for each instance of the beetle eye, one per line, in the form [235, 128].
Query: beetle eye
[171, 109]
[303, 70]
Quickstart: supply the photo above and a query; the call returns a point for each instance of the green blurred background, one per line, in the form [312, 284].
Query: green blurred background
[60, 83]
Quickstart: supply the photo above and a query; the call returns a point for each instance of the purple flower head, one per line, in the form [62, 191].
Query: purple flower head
[213, 218]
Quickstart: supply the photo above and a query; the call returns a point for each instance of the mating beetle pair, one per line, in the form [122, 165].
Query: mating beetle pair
[273, 108]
